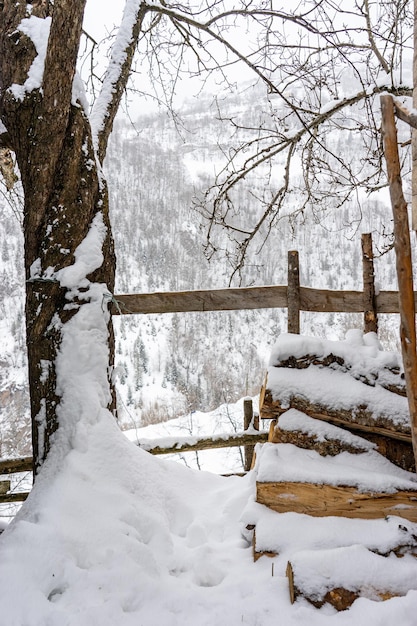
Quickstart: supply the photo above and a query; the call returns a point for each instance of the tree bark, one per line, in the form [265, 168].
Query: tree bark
[64, 192]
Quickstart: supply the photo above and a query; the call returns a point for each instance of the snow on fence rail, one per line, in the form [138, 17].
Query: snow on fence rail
[167, 445]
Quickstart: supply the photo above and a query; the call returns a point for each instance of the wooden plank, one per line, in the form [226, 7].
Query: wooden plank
[10, 466]
[368, 273]
[293, 316]
[328, 500]
[404, 262]
[269, 297]
[209, 300]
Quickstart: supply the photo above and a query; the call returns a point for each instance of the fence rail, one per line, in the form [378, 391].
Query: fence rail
[268, 297]
[176, 445]
[292, 297]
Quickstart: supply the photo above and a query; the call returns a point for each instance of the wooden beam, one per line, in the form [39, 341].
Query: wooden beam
[186, 444]
[369, 303]
[327, 500]
[249, 421]
[13, 497]
[293, 319]
[268, 297]
[404, 265]
[209, 443]
[11, 466]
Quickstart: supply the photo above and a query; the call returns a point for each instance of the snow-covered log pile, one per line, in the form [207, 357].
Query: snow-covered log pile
[312, 469]
[353, 384]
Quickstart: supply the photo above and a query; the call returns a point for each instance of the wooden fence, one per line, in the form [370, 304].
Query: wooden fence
[247, 438]
[293, 297]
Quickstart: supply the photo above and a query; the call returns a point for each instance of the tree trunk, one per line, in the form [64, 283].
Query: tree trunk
[65, 197]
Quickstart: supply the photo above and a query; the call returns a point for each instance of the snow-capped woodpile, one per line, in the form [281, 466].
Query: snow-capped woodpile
[339, 449]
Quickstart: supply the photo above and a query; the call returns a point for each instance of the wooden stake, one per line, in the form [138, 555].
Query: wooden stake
[248, 420]
[293, 292]
[403, 260]
[369, 303]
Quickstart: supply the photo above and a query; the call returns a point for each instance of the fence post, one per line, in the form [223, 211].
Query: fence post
[404, 263]
[370, 316]
[293, 293]
[248, 421]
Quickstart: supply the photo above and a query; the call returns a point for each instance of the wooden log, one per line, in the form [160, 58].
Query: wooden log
[327, 577]
[330, 500]
[293, 320]
[391, 379]
[369, 303]
[340, 598]
[257, 554]
[306, 441]
[359, 419]
[393, 445]
[267, 297]
[398, 452]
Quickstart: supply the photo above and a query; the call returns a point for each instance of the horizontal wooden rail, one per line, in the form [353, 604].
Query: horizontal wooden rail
[13, 466]
[189, 444]
[176, 444]
[14, 497]
[315, 300]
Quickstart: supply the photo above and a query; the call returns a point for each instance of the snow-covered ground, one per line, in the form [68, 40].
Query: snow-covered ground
[118, 537]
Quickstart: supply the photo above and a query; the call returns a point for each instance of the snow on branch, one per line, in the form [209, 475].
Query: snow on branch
[117, 74]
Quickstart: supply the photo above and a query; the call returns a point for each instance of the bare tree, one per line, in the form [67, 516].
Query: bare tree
[322, 63]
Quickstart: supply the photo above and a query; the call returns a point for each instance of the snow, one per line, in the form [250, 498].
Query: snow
[369, 471]
[294, 420]
[112, 535]
[37, 29]
[118, 57]
[352, 568]
[362, 358]
[88, 256]
[120, 537]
